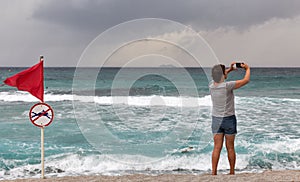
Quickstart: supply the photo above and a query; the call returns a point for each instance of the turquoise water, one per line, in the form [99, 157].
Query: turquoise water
[138, 120]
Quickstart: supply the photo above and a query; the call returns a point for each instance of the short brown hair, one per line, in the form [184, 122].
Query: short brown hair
[217, 72]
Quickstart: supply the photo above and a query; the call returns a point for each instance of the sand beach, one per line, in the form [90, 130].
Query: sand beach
[285, 175]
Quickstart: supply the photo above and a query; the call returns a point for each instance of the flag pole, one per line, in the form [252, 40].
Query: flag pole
[42, 153]
[42, 141]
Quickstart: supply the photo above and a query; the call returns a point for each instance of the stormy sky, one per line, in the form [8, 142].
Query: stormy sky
[259, 32]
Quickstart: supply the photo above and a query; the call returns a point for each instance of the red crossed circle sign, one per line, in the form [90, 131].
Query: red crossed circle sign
[41, 114]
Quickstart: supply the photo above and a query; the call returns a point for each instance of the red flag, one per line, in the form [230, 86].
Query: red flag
[31, 80]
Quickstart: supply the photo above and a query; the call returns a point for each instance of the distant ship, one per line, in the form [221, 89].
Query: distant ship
[167, 66]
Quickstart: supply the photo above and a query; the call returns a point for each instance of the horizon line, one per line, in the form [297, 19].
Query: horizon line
[160, 67]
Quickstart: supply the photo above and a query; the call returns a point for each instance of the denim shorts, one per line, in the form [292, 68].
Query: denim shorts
[225, 125]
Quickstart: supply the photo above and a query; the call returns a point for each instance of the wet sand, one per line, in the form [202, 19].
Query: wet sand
[286, 175]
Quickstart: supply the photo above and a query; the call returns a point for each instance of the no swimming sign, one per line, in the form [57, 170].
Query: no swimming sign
[41, 114]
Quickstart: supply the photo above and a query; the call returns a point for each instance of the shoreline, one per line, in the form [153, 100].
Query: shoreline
[269, 175]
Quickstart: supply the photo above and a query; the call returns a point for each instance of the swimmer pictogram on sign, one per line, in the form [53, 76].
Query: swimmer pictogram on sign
[41, 114]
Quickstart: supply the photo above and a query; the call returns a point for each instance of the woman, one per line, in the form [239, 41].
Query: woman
[223, 112]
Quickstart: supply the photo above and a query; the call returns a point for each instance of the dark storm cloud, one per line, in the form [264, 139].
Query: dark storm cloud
[206, 14]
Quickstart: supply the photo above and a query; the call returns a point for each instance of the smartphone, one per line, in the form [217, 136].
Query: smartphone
[238, 65]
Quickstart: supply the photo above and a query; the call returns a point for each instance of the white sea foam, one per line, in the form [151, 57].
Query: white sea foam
[74, 164]
[153, 100]
[285, 145]
[70, 164]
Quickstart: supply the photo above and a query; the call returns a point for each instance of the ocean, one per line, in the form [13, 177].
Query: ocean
[117, 121]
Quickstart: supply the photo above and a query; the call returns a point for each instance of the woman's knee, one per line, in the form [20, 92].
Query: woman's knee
[218, 148]
[230, 147]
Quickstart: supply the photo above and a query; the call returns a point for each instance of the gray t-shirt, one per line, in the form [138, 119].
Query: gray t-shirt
[222, 98]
